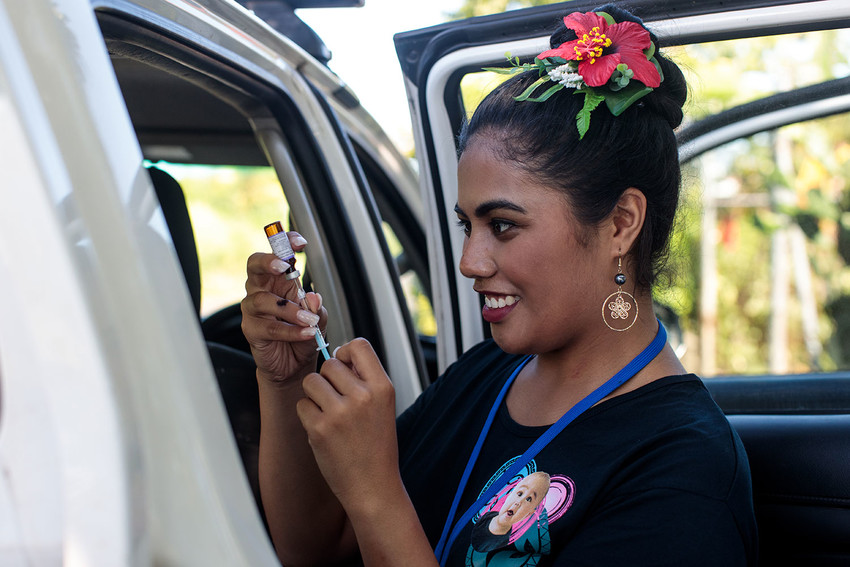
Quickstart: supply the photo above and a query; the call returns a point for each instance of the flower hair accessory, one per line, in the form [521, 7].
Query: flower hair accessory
[608, 61]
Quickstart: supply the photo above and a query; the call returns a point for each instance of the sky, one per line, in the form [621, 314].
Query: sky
[361, 41]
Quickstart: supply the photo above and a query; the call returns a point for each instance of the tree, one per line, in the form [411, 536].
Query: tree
[471, 8]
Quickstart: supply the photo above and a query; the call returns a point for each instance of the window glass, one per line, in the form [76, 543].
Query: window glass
[760, 261]
[229, 206]
[725, 74]
[417, 300]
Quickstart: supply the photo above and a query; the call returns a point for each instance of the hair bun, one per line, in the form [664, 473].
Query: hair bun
[666, 100]
[670, 96]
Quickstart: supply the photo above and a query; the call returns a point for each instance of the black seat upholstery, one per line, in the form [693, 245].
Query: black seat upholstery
[235, 370]
[173, 203]
[800, 466]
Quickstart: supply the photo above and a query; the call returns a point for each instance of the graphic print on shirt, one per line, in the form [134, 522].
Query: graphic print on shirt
[512, 529]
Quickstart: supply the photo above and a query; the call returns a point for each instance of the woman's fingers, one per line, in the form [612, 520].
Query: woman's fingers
[314, 301]
[354, 379]
[354, 376]
[271, 318]
[361, 358]
[297, 241]
[321, 392]
[271, 330]
[262, 264]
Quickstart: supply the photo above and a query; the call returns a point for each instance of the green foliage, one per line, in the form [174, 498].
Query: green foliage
[418, 303]
[591, 101]
[471, 8]
[229, 206]
[801, 173]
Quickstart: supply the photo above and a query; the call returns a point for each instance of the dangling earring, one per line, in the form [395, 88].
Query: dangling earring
[617, 304]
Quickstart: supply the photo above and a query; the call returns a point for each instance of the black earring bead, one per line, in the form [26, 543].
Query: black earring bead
[620, 279]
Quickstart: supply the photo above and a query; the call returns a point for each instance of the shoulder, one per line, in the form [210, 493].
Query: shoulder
[681, 439]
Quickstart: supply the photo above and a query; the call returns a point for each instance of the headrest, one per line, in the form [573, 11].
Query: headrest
[176, 213]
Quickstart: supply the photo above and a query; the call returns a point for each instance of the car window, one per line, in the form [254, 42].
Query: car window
[759, 271]
[761, 254]
[416, 296]
[228, 206]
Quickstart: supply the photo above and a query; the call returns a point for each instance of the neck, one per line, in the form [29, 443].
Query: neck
[555, 381]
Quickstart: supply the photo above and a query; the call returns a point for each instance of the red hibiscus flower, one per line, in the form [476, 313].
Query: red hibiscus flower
[601, 46]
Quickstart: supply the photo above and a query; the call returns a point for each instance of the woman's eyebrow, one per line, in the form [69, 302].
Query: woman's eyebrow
[489, 206]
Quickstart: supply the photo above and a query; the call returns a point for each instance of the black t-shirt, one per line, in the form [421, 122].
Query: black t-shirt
[656, 476]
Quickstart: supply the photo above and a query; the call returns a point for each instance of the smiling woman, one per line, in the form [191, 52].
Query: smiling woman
[572, 428]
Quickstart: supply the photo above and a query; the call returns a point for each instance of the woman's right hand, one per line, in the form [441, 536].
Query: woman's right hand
[280, 332]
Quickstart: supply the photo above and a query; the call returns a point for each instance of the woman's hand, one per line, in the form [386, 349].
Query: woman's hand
[280, 332]
[349, 415]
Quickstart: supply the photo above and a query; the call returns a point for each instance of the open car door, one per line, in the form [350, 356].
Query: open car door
[760, 301]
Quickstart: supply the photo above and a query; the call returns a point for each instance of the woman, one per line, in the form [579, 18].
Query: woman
[566, 208]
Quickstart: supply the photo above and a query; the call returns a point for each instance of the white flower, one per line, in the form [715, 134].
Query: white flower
[566, 75]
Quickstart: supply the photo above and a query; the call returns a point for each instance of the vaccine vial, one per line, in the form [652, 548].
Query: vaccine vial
[281, 247]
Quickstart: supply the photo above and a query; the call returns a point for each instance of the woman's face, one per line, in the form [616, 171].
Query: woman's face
[522, 252]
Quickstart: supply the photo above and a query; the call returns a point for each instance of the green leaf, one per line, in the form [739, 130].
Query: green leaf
[549, 92]
[503, 70]
[619, 101]
[608, 17]
[650, 51]
[530, 90]
[591, 100]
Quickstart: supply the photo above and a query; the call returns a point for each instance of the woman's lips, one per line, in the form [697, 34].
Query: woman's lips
[497, 307]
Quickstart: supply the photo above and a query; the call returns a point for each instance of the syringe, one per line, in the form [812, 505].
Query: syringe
[283, 249]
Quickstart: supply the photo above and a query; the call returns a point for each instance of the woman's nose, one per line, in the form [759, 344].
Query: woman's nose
[476, 262]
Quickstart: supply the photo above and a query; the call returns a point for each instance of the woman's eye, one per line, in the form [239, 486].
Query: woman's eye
[464, 226]
[500, 226]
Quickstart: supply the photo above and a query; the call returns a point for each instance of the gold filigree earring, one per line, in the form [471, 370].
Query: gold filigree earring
[620, 304]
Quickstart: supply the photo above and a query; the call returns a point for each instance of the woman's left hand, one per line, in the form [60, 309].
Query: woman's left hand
[349, 415]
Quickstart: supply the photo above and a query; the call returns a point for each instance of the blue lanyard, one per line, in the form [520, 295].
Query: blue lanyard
[617, 380]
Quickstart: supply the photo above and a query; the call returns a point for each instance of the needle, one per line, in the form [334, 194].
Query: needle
[322, 346]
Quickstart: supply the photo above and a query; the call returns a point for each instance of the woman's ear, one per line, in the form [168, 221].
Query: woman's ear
[627, 219]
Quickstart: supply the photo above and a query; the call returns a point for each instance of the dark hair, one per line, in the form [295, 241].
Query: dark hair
[636, 149]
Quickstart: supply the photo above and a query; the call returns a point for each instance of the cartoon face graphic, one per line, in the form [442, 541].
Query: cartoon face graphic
[521, 502]
[512, 530]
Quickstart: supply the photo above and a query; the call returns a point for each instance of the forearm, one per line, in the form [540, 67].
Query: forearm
[389, 533]
[307, 523]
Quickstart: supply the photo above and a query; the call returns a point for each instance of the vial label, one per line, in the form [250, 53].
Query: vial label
[281, 246]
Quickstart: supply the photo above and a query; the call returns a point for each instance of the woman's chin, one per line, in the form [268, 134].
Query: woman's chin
[511, 343]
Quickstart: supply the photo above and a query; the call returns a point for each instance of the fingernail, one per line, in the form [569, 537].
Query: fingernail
[307, 318]
[308, 332]
[298, 240]
[279, 266]
[335, 351]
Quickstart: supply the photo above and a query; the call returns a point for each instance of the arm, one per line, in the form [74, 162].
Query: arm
[307, 523]
[349, 415]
